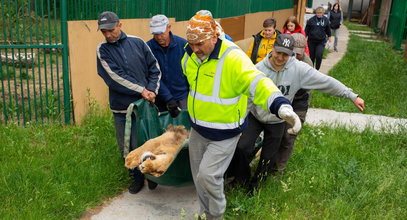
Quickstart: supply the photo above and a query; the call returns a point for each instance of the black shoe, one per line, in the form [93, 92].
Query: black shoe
[237, 184]
[250, 190]
[151, 185]
[252, 187]
[135, 187]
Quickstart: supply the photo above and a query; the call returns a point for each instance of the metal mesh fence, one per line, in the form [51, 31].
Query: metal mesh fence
[32, 86]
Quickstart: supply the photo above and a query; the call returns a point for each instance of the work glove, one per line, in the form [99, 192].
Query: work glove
[173, 108]
[287, 114]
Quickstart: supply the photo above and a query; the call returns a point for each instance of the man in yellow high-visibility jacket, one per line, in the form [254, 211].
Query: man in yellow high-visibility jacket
[221, 79]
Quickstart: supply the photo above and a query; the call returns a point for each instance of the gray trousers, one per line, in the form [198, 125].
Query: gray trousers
[209, 161]
[336, 33]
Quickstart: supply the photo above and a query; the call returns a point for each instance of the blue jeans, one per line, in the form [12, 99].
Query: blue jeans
[119, 123]
[336, 33]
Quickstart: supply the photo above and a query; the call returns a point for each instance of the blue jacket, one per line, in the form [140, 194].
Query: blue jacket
[174, 84]
[127, 67]
[317, 29]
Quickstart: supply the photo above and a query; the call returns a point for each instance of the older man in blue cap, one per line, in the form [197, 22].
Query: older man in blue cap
[168, 49]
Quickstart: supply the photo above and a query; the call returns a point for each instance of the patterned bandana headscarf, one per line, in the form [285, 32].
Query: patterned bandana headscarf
[200, 28]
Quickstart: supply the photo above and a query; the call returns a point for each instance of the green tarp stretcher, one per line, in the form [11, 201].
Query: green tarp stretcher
[151, 124]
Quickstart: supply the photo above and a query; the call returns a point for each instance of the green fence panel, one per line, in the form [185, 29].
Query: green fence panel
[397, 26]
[31, 68]
[309, 3]
[180, 9]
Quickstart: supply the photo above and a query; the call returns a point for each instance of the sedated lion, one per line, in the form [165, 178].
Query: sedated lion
[156, 154]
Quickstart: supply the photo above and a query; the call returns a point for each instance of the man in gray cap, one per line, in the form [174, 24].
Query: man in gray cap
[290, 75]
[131, 72]
[300, 105]
[168, 49]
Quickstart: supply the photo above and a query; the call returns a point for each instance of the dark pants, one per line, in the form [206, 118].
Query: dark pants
[316, 49]
[119, 123]
[245, 151]
[287, 144]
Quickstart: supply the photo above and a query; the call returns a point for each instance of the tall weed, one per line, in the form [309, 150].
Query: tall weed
[57, 172]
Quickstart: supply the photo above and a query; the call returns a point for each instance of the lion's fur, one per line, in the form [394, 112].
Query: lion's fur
[156, 154]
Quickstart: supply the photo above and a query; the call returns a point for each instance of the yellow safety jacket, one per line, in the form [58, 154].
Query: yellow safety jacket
[219, 88]
[263, 46]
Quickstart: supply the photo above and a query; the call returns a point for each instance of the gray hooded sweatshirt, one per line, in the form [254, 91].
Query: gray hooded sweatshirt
[294, 76]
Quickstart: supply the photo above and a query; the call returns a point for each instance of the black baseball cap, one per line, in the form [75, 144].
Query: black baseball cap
[107, 20]
[284, 43]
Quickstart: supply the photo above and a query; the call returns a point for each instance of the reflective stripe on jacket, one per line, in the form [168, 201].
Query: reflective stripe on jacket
[127, 66]
[219, 88]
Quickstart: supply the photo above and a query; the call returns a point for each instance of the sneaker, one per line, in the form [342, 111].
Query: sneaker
[336, 50]
[151, 185]
[135, 187]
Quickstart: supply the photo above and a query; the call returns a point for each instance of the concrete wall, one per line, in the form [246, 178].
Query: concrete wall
[87, 86]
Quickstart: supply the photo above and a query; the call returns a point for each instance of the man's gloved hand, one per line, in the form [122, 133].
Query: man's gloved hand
[286, 112]
[173, 108]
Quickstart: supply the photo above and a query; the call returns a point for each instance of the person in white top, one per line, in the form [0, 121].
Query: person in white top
[290, 75]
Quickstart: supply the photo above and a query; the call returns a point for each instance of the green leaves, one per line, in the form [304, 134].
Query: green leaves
[57, 172]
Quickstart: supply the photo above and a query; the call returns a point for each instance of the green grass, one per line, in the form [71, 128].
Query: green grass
[325, 53]
[333, 174]
[58, 172]
[7, 72]
[356, 27]
[375, 72]
[49, 108]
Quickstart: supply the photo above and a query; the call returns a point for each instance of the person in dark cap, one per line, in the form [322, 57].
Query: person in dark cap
[131, 72]
[300, 104]
[290, 75]
[168, 49]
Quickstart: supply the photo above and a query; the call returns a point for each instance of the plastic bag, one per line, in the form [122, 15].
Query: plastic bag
[329, 45]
